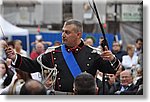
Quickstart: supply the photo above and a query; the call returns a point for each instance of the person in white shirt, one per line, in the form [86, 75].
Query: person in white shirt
[5, 74]
[130, 61]
[18, 48]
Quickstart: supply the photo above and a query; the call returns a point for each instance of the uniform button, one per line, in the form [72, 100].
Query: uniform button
[53, 52]
[54, 58]
[58, 78]
[45, 71]
[77, 49]
[88, 64]
[59, 85]
[55, 65]
[68, 50]
[89, 58]
[111, 64]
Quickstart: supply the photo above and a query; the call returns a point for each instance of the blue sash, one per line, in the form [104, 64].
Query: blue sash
[71, 62]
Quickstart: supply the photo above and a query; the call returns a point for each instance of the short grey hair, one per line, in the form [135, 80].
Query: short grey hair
[78, 24]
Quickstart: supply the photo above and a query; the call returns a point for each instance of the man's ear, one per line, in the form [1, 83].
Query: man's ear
[79, 34]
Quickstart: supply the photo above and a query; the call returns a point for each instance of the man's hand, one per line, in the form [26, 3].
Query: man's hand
[117, 92]
[10, 53]
[107, 54]
[3, 44]
[8, 50]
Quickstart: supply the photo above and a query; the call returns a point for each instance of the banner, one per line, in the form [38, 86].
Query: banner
[132, 12]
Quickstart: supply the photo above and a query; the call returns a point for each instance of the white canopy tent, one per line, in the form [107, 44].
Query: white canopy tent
[12, 30]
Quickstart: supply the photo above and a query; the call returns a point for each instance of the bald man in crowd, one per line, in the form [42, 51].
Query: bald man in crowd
[33, 87]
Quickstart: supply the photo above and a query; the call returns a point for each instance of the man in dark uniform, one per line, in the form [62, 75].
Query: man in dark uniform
[87, 58]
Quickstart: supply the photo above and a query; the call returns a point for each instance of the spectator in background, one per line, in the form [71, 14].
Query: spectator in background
[138, 46]
[6, 74]
[39, 39]
[117, 75]
[33, 87]
[16, 84]
[116, 50]
[85, 84]
[139, 50]
[126, 86]
[110, 79]
[130, 61]
[138, 80]
[19, 78]
[90, 40]
[18, 48]
[140, 59]
[39, 49]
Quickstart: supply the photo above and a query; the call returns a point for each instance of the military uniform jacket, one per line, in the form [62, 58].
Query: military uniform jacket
[87, 58]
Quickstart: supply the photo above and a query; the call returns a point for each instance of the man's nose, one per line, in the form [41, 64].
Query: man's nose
[63, 34]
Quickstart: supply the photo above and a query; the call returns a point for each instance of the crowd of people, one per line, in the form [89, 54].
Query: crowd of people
[74, 67]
